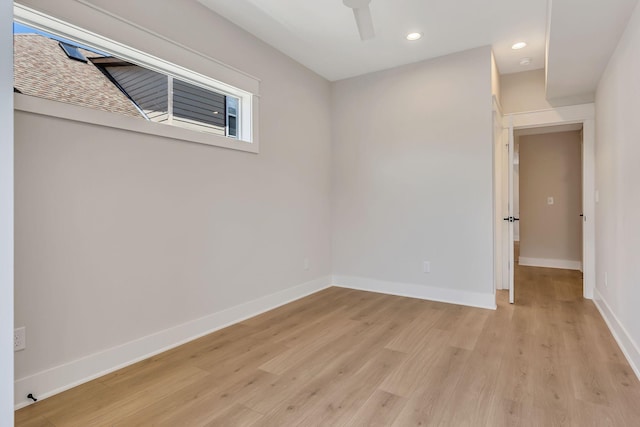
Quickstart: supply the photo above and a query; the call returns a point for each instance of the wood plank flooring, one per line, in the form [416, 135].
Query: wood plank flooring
[351, 358]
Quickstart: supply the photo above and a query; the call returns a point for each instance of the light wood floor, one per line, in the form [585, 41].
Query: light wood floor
[344, 357]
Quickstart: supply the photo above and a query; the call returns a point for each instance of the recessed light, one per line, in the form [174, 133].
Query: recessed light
[525, 61]
[414, 36]
[519, 45]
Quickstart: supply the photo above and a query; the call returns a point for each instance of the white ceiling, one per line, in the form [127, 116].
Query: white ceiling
[322, 34]
[582, 37]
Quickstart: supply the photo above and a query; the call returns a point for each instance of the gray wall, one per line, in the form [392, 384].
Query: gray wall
[121, 235]
[526, 91]
[413, 175]
[617, 180]
[551, 166]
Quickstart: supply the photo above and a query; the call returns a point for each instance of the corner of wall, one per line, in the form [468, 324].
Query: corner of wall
[60, 378]
[6, 215]
[496, 81]
[617, 207]
[410, 290]
[629, 347]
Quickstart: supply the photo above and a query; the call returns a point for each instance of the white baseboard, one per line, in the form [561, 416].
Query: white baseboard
[628, 346]
[550, 263]
[452, 296]
[55, 380]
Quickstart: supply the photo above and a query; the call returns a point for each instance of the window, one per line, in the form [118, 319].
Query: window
[54, 61]
[73, 52]
[232, 113]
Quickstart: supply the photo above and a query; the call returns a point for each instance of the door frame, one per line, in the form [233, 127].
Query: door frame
[585, 114]
[498, 194]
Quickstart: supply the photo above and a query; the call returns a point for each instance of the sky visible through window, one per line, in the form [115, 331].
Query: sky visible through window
[24, 29]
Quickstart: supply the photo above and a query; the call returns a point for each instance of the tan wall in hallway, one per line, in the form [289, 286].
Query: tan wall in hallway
[526, 91]
[550, 166]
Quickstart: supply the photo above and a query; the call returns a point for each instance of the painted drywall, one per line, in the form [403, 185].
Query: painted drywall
[526, 91]
[413, 176]
[617, 178]
[550, 166]
[121, 235]
[6, 214]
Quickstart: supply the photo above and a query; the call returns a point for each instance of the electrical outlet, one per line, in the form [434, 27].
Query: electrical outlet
[19, 339]
[305, 264]
[426, 266]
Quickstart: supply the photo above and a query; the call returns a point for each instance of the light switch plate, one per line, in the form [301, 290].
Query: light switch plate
[426, 267]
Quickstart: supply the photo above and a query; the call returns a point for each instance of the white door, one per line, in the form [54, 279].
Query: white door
[583, 207]
[509, 218]
[499, 150]
[504, 207]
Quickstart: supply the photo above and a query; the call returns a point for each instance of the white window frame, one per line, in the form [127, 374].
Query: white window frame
[247, 109]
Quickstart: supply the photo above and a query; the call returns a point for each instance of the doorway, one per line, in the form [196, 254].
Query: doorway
[547, 198]
[572, 118]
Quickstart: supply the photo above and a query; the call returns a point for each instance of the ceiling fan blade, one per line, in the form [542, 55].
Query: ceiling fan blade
[365, 22]
[362, 13]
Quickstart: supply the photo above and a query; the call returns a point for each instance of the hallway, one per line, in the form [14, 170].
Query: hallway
[575, 373]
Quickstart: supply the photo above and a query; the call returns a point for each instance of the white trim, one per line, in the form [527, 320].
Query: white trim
[496, 161]
[60, 378]
[239, 78]
[61, 110]
[511, 214]
[550, 263]
[585, 114]
[589, 207]
[50, 24]
[553, 116]
[431, 293]
[629, 347]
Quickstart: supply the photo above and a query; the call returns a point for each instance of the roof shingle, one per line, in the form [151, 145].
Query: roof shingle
[43, 69]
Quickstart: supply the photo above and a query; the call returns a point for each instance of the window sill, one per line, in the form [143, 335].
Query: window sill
[61, 110]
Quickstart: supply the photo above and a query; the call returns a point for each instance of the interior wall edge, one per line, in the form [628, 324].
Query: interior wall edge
[6, 215]
[412, 290]
[60, 378]
[629, 347]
